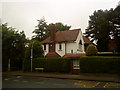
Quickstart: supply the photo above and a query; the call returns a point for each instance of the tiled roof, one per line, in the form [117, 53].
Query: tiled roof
[86, 40]
[64, 36]
[52, 54]
[74, 55]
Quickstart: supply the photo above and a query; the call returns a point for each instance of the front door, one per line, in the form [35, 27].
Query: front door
[52, 47]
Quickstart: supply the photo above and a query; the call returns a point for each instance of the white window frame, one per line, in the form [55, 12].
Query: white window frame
[76, 64]
[60, 46]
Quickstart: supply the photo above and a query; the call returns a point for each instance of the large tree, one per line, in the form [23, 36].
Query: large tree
[13, 47]
[40, 30]
[43, 29]
[103, 26]
[116, 22]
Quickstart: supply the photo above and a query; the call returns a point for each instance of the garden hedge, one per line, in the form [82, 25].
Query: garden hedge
[99, 64]
[55, 64]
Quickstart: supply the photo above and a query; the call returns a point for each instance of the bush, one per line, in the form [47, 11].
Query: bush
[91, 50]
[53, 64]
[37, 52]
[99, 64]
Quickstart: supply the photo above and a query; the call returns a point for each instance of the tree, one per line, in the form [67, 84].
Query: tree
[43, 30]
[40, 30]
[116, 21]
[100, 28]
[13, 47]
[36, 49]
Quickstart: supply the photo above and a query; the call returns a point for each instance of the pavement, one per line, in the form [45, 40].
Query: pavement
[81, 76]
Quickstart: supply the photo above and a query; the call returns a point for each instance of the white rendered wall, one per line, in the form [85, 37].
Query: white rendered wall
[80, 37]
[47, 49]
[71, 46]
[62, 51]
[75, 46]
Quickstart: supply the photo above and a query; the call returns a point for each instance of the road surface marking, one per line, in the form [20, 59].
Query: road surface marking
[112, 85]
[7, 78]
[87, 84]
[19, 76]
[24, 81]
[16, 80]
[39, 82]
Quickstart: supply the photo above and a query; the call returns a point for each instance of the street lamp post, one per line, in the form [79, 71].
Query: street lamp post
[31, 56]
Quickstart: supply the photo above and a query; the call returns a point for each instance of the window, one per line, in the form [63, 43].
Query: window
[80, 42]
[44, 46]
[76, 64]
[60, 46]
[71, 51]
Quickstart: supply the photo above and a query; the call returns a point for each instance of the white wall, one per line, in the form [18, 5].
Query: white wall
[47, 49]
[75, 46]
[62, 51]
[80, 37]
[71, 46]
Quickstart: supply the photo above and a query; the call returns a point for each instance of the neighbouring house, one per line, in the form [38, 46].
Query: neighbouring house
[112, 46]
[69, 43]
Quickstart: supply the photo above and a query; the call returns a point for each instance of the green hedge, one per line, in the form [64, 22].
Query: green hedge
[26, 65]
[99, 64]
[49, 64]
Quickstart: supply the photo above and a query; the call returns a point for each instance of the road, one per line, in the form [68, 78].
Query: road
[39, 82]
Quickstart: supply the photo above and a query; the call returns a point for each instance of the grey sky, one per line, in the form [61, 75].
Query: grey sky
[24, 15]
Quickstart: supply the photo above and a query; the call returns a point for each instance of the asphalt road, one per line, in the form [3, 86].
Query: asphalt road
[39, 82]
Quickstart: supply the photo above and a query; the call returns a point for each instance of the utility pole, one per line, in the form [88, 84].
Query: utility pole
[31, 55]
[9, 65]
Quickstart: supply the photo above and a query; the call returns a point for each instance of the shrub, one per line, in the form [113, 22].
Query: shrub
[99, 64]
[37, 52]
[91, 50]
[54, 64]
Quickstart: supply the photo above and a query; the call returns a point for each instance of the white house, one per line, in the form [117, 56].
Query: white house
[65, 43]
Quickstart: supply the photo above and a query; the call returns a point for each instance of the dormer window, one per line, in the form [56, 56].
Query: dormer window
[44, 46]
[71, 51]
[80, 42]
[60, 46]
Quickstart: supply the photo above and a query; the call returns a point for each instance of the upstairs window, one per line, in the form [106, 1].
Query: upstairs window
[80, 42]
[60, 46]
[71, 51]
[44, 46]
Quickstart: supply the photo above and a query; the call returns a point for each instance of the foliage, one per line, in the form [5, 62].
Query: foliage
[13, 47]
[55, 64]
[43, 29]
[100, 64]
[40, 30]
[103, 26]
[37, 51]
[91, 50]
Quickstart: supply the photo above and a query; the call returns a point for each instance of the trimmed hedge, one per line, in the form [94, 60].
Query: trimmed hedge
[99, 64]
[50, 64]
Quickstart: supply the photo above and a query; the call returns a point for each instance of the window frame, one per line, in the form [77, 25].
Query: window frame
[60, 46]
[44, 47]
[76, 64]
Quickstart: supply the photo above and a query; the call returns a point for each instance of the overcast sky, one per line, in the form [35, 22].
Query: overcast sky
[23, 14]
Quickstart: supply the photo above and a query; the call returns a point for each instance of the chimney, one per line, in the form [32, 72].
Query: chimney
[52, 33]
